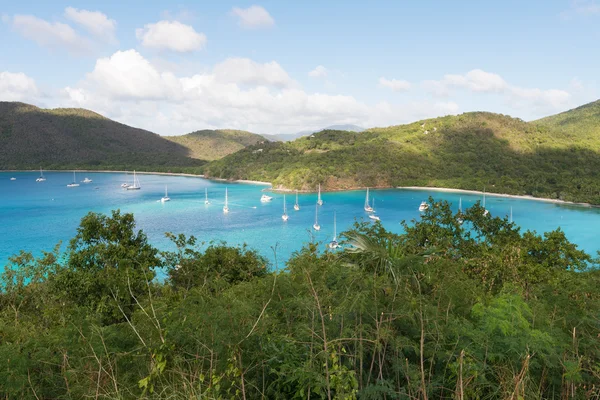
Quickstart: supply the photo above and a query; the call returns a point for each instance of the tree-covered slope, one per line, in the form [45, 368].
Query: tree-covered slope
[211, 144]
[468, 151]
[31, 137]
[583, 122]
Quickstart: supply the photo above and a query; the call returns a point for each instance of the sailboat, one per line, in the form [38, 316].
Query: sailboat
[74, 183]
[423, 206]
[225, 207]
[459, 219]
[206, 196]
[136, 183]
[284, 216]
[41, 178]
[316, 224]
[334, 243]
[368, 208]
[297, 206]
[485, 212]
[319, 200]
[125, 185]
[166, 198]
[373, 216]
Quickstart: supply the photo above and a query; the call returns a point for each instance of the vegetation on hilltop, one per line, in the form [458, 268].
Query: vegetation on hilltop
[211, 144]
[478, 310]
[582, 122]
[468, 151]
[31, 137]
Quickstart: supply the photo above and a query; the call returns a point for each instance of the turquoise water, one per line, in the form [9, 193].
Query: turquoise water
[35, 216]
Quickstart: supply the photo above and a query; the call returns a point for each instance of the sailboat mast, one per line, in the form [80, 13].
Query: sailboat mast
[284, 203]
[334, 228]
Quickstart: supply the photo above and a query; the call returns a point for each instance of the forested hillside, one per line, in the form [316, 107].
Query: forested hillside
[478, 310]
[31, 137]
[215, 144]
[468, 151]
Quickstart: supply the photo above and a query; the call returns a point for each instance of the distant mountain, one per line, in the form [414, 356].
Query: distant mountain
[557, 157]
[292, 136]
[211, 145]
[31, 137]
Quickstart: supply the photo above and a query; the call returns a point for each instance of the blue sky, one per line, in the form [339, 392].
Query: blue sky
[282, 66]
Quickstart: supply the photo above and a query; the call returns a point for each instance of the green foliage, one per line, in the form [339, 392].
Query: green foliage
[215, 144]
[469, 151]
[456, 307]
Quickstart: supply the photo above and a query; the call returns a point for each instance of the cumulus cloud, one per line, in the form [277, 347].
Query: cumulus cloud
[479, 81]
[171, 35]
[17, 87]
[237, 93]
[394, 84]
[319, 72]
[246, 71]
[95, 22]
[51, 35]
[253, 17]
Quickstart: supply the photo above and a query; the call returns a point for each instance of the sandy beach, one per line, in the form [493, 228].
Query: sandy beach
[513, 196]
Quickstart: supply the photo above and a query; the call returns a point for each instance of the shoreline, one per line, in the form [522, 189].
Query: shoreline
[286, 190]
[107, 171]
[510, 196]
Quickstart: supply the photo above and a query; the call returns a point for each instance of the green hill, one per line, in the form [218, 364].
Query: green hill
[211, 145]
[583, 122]
[468, 151]
[31, 137]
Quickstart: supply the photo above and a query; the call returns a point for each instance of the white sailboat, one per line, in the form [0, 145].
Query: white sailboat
[41, 178]
[459, 219]
[284, 216]
[373, 216]
[13, 179]
[125, 185]
[297, 206]
[424, 206]
[334, 243]
[74, 183]
[136, 183]
[368, 207]
[166, 198]
[225, 207]
[485, 211]
[319, 200]
[316, 224]
[206, 196]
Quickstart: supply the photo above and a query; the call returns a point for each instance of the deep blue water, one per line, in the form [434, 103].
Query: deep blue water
[36, 216]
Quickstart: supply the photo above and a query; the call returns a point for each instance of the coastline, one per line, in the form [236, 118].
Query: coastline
[510, 196]
[244, 181]
[282, 189]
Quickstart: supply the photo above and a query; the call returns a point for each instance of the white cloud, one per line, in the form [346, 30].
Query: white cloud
[236, 93]
[95, 22]
[479, 81]
[17, 87]
[253, 17]
[128, 75]
[246, 71]
[52, 35]
[171, 35]
[395, 84]
[319, 72]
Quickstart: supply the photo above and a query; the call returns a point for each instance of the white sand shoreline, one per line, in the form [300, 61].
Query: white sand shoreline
[510, 196]
[246, 181]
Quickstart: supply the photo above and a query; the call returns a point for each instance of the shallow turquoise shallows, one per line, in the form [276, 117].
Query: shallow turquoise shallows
[35, 216]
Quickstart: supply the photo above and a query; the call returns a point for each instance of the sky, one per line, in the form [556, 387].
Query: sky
[286, 66]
